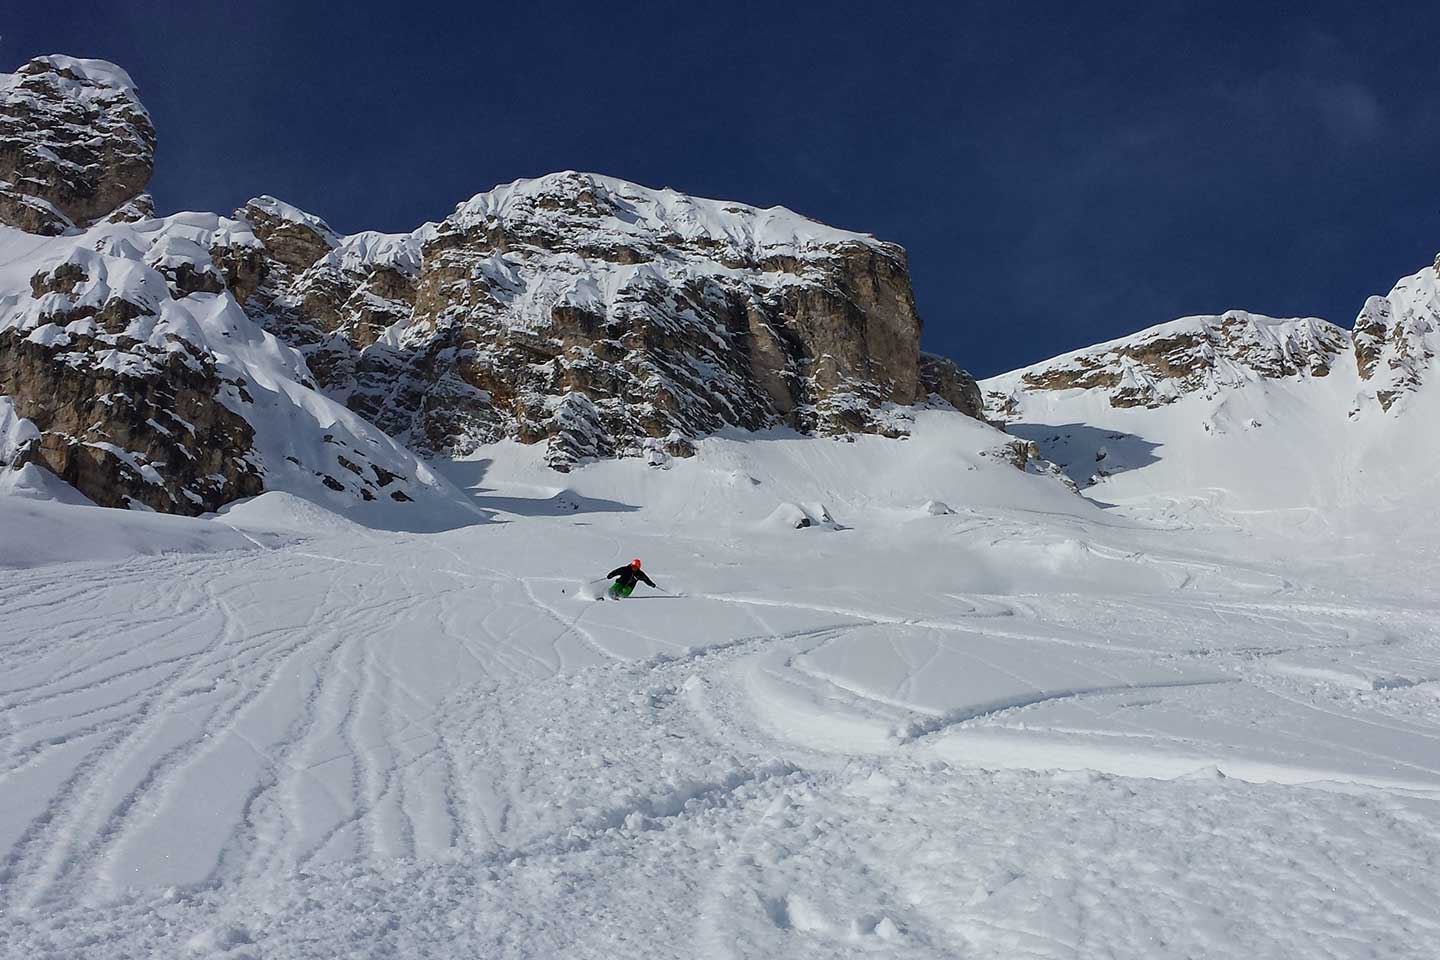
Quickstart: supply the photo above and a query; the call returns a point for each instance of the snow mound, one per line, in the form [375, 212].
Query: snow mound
[795, 516]
[739, 482]
[38, 532]
[16, 433]
[359, 252]
[32, 483]
[285, 512]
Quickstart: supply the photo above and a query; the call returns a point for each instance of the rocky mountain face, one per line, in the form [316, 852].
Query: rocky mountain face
[1202, 354]
[178, 363]
[1240, 410]
[76, 145]
[1397, 337]
[601, 318]
[1389, 354]
[147, 386]
[127, 367]
[128, 418]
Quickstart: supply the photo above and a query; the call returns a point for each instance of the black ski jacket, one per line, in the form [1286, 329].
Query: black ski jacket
[628, 575]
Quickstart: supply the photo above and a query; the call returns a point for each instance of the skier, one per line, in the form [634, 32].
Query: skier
[628, 576]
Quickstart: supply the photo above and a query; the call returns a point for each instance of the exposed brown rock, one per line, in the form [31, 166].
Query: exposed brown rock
[61, 279]
[1157, 367]
[244, 269]
[1084, 374]
[818, 337]
[1369, 335]
[161, 440]
[942, 377]
[75, 144]
[292, 242]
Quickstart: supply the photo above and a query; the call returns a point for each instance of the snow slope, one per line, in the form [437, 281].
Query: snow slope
[40, 531]
[1030, 727]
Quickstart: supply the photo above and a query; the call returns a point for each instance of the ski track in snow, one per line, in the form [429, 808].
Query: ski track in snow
[428, 746]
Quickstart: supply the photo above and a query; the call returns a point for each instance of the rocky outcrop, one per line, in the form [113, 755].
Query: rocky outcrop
[146, 435]
[142, 382]
[293, 239]
[76, 145]
[1193, 355]
[333, 298]
[126, 419]
[602, 318]
[942, 378]
[1397, 336]
[1241, 367]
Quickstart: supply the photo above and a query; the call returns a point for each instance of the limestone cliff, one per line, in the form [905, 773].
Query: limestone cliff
[601, 318]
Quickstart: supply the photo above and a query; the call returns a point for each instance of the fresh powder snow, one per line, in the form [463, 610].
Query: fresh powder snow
[963, 712]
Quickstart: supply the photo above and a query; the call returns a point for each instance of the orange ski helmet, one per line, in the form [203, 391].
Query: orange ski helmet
[635, 563]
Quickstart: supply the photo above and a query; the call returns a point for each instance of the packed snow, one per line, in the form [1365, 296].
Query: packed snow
[971, 715]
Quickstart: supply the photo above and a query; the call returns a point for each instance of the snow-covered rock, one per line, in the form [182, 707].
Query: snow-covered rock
[1397, 337]
[591, 313]
[180, 363]
[1394, 343]
[16, 434]
[127, 366]
[799, 516]
[76, 145]
[1201, 354]
[144, 384]
[1244, 411]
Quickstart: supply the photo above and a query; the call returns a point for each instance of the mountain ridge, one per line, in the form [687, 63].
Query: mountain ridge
[1242, 412]
[1393, 341]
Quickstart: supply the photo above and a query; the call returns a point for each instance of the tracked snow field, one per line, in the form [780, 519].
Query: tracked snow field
[993, 733]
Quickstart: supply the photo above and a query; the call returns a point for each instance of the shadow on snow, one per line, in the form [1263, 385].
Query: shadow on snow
[468, 475]
[1087, 454]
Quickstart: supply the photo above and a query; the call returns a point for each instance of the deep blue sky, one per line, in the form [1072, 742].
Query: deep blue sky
[1060, 173]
